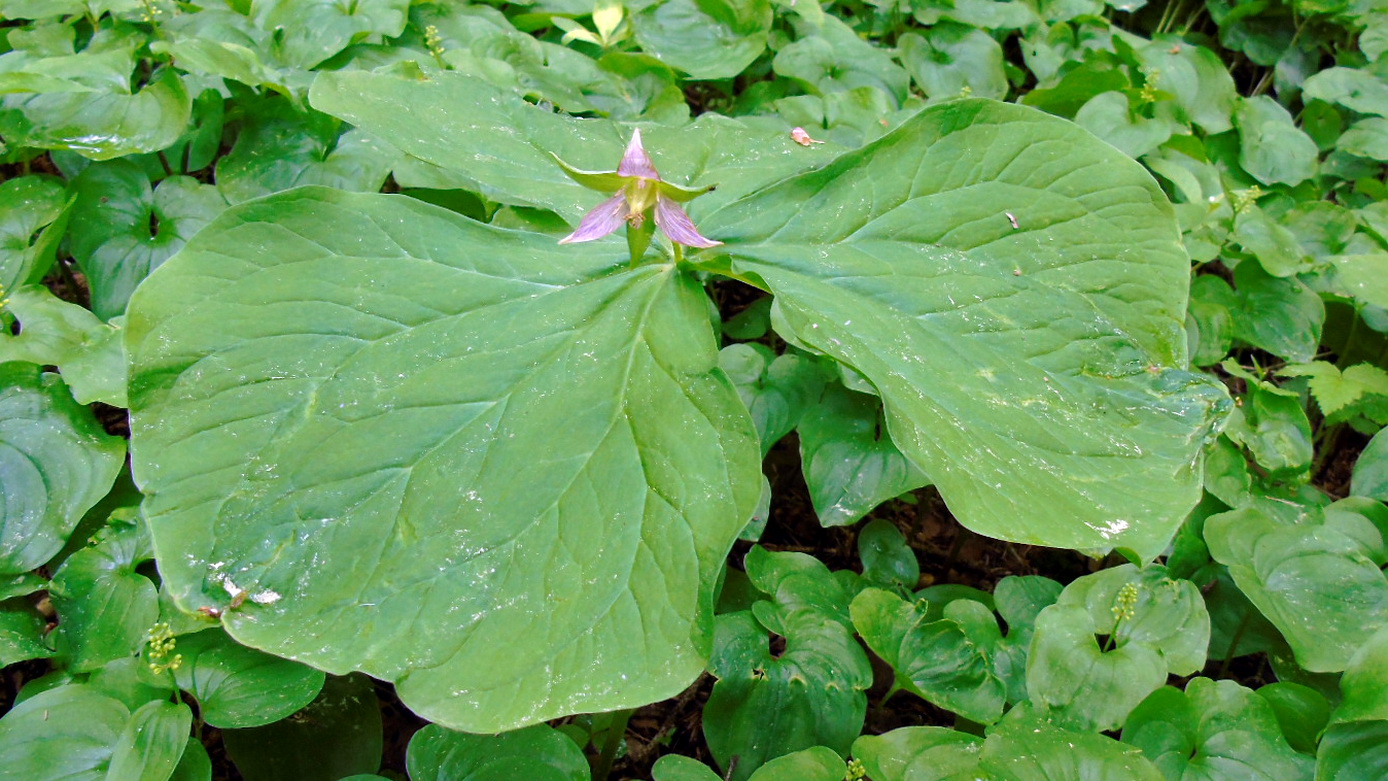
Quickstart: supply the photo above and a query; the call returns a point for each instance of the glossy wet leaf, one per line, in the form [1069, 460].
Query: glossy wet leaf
[1012, 361]
[32, 217]
[1370, 476]
[1354, 751]
[887, 558]
[99, 125]
[713, 39]
[336, 735]
[937, 660]
[447, 119]
[765, 706]
[152, 743]
[1313, 582]
[1213, 730]
[539, 753]
[1085, 686]
[68, 733]
[22, 630]
[1365, 682]
[123, 228]
[850, 463]
[56, 462]
[238, 687]
[88, 352]
[308, 468]
[105, 604]
[1167, 615]
[1302, 713]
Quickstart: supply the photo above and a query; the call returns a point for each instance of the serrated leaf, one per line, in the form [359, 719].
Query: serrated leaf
[56, 463]
[1334, 390]
[454, 389]
[903, 264]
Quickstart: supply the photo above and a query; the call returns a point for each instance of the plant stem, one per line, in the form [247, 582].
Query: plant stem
[1234, 644]
[616, 733]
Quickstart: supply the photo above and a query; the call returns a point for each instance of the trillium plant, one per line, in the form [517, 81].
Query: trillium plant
[504, 471]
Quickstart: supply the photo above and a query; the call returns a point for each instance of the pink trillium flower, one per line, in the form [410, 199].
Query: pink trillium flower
[639, 189]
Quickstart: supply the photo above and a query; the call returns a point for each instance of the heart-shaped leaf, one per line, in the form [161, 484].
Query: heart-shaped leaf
[55, 464]
[380, 473]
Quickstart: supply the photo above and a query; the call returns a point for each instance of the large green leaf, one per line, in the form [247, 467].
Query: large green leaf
[87, 352]
[937, 660]
[55, 463]
[1035, 374]
[99, 125]
[67, 733]
[1083, 685]
[1314, 582]
[536, 753]
[499, 472]
[32, 209]
[240, 687]
[105, 604]
[504, 145]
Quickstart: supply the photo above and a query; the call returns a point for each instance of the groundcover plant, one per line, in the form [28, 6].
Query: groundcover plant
[685, 390]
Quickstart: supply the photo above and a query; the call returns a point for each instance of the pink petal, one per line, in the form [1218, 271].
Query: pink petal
[603, 220]
[672, 220]
[636, 162]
